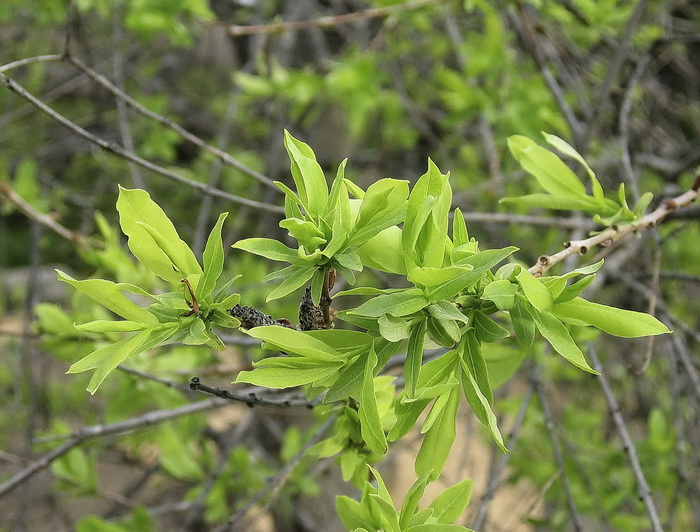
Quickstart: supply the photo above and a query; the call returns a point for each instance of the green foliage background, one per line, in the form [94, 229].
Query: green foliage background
[450, 81]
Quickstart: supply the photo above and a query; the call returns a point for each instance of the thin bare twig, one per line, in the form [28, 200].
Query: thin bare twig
[495, 477]
[115, 148]
[643, 488]
[279, 480]
[329, 21]
[556, 450]
[88, 433]
[45, 220]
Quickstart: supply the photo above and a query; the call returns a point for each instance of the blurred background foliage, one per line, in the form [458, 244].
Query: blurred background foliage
[448, 80]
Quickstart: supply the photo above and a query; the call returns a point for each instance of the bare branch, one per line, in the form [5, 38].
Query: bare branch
[642, 486]
[325, 22]
[616, 232]
[88, 433]
[115, 148]
[251, 398]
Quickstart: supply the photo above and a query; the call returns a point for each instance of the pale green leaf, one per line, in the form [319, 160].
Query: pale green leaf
[439, 439]
[213, 259]
[397, 304]
[615, 321]
[270, 249]
[414, 357]
[536, 293]
[558, 336]
[107, 293]
[392, 328]
[295, 342]
[308, 175]
[370, 421]
[451, 503]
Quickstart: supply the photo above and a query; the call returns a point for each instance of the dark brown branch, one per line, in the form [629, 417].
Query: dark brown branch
[251, 398]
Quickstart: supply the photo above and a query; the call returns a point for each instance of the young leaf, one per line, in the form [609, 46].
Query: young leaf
[392, 328]
[383, 206]
[383, 252]
[213, 259]
[287, 372]
[549, 170]
[270, 249]
[567, 149]
[308, 175]
[104, 326]
[137, 210]
[460, 235]
[295, 342]
[536, 293]
[305, 232]
[488, 330]
[352, 513]
[558, 336]
[523, 323]
[349, 382]
[452, 502]
[401, 303]
[414, 357]
[410, 502]
[107, 293]
[370, 422]
[502, 293]
[105, 360]
[615, 321]
[477, 388]
[299, 277]
[439, 439]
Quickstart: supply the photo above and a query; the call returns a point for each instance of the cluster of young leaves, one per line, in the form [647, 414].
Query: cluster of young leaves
[185, 314]
[375, 511]
[454, 302]
[563, 189]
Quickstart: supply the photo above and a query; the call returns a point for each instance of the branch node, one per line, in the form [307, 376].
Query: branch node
[544, 259]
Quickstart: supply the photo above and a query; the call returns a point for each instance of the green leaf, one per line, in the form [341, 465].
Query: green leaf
[103, 326]
[523, 323]
[439, 439]
[383, 206]
[481, 263]
[414, 357]
[270, 249]
[476, 386]
[444, 331]
[299, 277]
[410, 502]
[558, 336]
[383, 252]
[136, 211]
[567, 149]
[460, 235]
[349, 382]
[287, 372]
[536, 293]
[392, 328]
[553, 202]
[106, 359]
[308, 175]
[425, 229]
[213, 259]
[549, 170]
[397, 304]
[295, 342]
[615, 321]
[502, 293]
[433, 277]
[437, 528]
[306, 233]
[370, 421]
[107, 293]
[488, 330]
[352, 513]
[451, 503]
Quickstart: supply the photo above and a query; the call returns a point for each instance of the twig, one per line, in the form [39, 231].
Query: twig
[642, 487]
[616, 232]
[329, 21]
[279, 480]
[118, 69]
[251, 398]
[495, 477]
[166, 122]
[558, 457]
[615, 66]
[115, 148]
[45, 220]
[88, 433]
